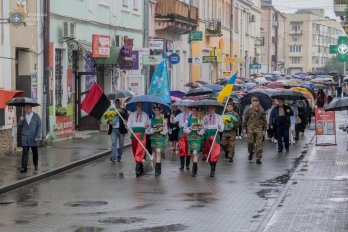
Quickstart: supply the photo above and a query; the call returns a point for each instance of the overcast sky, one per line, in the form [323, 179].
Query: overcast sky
[292, 5]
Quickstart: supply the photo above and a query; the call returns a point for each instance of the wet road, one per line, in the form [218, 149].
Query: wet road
[107, 197]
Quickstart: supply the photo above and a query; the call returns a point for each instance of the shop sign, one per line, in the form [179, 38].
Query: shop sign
[101, 46]
[64, 127]
[197, 60]
[196, 36]
[254, 66]
[209, 59]
[152, 59]
[218, 54]
[156, 44]
[325, 123]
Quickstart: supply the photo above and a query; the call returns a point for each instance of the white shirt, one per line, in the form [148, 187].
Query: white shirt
[137, 119]
[28, 117]
[213, 122]
[182, 118]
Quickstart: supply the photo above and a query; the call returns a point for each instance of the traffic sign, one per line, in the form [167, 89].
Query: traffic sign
[174, 58]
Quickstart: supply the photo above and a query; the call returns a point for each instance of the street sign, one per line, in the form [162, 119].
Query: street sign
[341, 49]
[197, 60]
[254, 66]
[218, 54]
[174, 58]
[209, 59]
[152, 59]
[196, 36]
[156, 44]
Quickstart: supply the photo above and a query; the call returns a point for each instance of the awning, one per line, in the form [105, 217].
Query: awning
[7, 95]
[113, 59]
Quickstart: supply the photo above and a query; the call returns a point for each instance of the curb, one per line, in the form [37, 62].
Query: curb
[53, 172]
[275, 206]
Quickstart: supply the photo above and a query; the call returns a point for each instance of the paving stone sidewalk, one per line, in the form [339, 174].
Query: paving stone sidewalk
[317, 195]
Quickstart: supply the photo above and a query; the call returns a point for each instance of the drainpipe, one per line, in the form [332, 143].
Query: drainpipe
[146, 39]
[231, 33]
[46, 71]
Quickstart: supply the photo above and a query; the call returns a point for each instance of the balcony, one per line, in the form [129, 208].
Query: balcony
[340, 7]
[295, 32]
[175, 16]
[213, 28]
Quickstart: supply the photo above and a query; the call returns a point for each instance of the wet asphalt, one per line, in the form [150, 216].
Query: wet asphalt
[102, 196]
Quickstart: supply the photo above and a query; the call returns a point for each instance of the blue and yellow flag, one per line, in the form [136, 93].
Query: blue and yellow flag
[159, 85]
[227, 90]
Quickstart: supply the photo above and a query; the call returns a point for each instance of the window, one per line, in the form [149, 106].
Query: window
[295, 38]
[296, 27]
[136, 5]
[295, 48]
[295, 60]
[125, 3]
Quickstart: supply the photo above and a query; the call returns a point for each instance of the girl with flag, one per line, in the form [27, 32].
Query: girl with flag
[212, 124]
[183, 144]
[138, 121]
[194, 130]
[158, 130]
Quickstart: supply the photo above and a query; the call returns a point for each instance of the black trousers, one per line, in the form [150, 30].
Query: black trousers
[25, 156]
[283, 136]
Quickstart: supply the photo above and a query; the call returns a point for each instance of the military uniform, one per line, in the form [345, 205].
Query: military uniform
[228, 141]
[255, 123]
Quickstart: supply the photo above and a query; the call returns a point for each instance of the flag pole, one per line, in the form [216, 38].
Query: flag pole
[132, 132]
[212, 145]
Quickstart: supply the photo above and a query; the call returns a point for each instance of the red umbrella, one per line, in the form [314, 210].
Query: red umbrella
[274, 85]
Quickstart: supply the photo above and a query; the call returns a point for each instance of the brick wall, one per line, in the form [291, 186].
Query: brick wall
[6, 144]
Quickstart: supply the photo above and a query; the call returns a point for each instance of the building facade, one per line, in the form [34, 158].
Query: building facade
[272, 43]
[309, 35]
[101, 42]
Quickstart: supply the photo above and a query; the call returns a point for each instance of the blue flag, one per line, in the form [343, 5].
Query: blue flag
[159, 85]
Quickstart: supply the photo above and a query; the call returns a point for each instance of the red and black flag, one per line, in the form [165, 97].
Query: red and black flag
[96, 103]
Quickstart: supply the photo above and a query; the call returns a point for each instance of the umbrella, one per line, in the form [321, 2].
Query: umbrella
[274, 85]
[307, 93]
[22, 101]
[259, 87]
[120, 94]
[202, 82]
[222, 81]
[214, 87]
[183, 103]
[177, 93]
[268, 92]
[303, 90]
[206, 103]
[199, 91]
[175, 99]
[148, 101]
[338, 105]
[320, 86]
[193, 84]
[288, 94]
[265, 100]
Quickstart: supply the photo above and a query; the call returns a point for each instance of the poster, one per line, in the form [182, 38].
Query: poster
[325, 123]
[70, 85]
[34, 86]
[63, 127]
[101, 46]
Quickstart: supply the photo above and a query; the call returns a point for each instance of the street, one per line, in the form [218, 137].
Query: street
[102, 196]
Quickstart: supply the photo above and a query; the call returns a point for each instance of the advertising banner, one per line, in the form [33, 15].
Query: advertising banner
[325, 123]
[64, 127]
[101, 46]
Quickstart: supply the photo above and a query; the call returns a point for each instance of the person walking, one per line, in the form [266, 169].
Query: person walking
[138, 121]
[255, 126]
[117, 130]
[212, 123]
[174, 128]
[330, 96]
[281, 122]
[31, 134]
[321, 98]
[232, 121]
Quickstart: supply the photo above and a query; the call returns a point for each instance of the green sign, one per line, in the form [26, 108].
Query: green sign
[254, 66]
[196, 36]
[341, 49]
[209, 59]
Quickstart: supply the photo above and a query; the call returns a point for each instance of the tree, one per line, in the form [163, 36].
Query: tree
[333, 65]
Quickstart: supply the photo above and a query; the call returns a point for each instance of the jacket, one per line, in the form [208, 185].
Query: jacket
[31, 132]
[122, 128]
[276, 121]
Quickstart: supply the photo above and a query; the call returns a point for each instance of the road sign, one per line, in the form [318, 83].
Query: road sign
[254, 66]
[196, 36]
[174, 58]
[209, 59]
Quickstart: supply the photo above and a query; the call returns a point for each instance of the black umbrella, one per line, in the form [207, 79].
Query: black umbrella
[338, 105]
[22, 101]
[289, 94]
[206, 103]
[214, 87]
[199, 91]
[120, 94]
[320, 86]
[265, 100]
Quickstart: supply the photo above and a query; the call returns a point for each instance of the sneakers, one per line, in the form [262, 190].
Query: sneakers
[258, 161]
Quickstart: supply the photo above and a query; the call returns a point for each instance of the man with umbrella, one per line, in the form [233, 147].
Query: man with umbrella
[31, 133]
[255, 125]
[138, 121]
[280, 121]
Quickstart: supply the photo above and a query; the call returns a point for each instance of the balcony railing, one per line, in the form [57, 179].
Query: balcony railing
[213, 28]
[176, 16]
[296, 32]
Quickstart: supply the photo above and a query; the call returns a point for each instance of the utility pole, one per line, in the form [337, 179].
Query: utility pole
[46, 71]
[146, 39]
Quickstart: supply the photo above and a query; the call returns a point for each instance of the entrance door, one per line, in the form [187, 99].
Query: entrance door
[84, 83]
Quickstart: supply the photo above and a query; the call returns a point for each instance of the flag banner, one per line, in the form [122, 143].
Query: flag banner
[159, 82]
[95, 103]
[227, 90]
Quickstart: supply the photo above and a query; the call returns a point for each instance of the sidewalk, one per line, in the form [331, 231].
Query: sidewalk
[316, 198]
[57, 158]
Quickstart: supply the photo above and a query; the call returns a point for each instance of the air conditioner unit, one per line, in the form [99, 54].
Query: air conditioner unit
[252, 18]
[69, 30]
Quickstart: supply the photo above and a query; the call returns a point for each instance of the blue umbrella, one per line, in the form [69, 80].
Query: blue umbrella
[183, 103]
[148, 101]
[177, 93]
[214, 87]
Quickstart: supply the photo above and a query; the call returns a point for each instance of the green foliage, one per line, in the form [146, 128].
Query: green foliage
[333, 65]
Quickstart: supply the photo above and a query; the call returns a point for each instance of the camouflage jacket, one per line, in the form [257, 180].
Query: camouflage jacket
[255, 119]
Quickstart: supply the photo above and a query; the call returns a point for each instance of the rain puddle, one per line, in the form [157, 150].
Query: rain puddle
[85, 203]
[200, 199]
[6, 203]
[167, 228]
[28, 203]
[121, 220]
